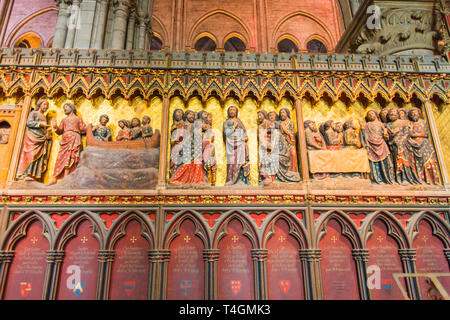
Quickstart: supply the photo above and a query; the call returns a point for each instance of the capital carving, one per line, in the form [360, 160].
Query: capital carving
[310, 254]
[55, 256]
[6, 256]
[106, 255]
[158, 256]
[259, 254]
[399, 29]
[211, 255]
[360, 254]
[407, 254]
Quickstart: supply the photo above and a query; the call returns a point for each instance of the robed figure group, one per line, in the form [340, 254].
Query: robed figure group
[192, 156]
[396, 140]
[37, 141]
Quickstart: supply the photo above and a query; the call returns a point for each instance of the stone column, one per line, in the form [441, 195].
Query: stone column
[101, 25]
[130, 31]
[164, 143]
[54, 262]
[143, 22]
[301, 140]
[312, 276]
[105, 260]
[210, 256]
[361, 257]
[6, 257]
[408, 257]
[158, 273]
[86, 29]
[121, 8]
[259, 257]
[73, 23]
[21, 128]
[61, 24]
[435, 140]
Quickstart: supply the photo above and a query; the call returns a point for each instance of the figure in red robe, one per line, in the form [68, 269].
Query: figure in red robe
[36, 144]
[71, 128]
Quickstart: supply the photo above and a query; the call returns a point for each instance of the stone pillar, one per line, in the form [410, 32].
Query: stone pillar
[21, 128]
[101, 27]
[105, 260]
[164, 143]
[130, 31]
[143, 22]
[435, 140]
[73, 23]
[6, 257]
[61, 24]
[158, 273]
[210, 256]
[311, 273]
[361, 257]
[408, 257]
[301, 140]
[120, 24]
[84, 33]
[54, 262]
[259, 257]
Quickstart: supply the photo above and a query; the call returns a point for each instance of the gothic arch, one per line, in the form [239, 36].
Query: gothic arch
[306, 15]
[173, 231]
[69, 227]
[295, 229]
[18, 229]
[161, 31]
[439, 227]
[394, 228]
[12, 38]
[349, 229]
[193, 31]
[248, 229]
[119, 226]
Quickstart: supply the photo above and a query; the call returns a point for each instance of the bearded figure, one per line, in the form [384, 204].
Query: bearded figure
[423, 152]
[71, 128]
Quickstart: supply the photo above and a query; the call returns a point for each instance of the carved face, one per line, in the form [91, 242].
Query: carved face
[283, 115]
[261, 117]
[121, 124]
[338, 127]
[402, 114]
[44, 106]
[371, 116]
[272, 116]
[312, 126]
[392, 115]
[414, 115]
[178, 115]
[384, 114]
[190, 117]
[104, 120]
[67, 109]
[135, 122]
[232, 112]
[145, 120]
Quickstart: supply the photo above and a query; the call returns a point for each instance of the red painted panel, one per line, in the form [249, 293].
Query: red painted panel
[284, 268]
[340, 281]
[235, 266]
[130, 269]
[186, 267]
[383, 252]
[430, 258]
[79, 270]
[27, 271]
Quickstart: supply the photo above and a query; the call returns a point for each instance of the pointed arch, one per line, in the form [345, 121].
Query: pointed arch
[438, 225]
[174, 229]
[394, 228]
[119, 226]
[248, 229]
[349, 229]
[69, 227]
[296, 229]
[18, 229]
